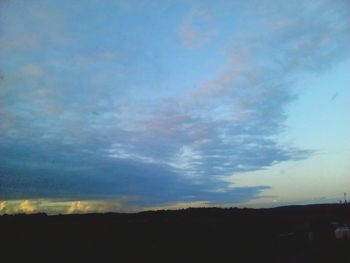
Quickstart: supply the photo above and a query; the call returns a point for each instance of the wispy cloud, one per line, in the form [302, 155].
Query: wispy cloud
[197, 30]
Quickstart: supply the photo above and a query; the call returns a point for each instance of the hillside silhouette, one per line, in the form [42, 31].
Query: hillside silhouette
[189, 235]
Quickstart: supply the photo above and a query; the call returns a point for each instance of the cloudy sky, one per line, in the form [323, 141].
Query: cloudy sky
[125, 105]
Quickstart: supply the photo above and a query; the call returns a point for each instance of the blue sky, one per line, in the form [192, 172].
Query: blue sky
[132, 105]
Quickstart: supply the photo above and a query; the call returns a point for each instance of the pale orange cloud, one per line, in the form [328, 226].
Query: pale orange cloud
[94, 207]
[2, 206]
[28, 206]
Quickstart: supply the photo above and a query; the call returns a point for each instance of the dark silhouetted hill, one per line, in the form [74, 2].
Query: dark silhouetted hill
[189, 235]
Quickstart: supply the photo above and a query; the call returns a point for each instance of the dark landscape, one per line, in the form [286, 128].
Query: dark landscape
[190, 235]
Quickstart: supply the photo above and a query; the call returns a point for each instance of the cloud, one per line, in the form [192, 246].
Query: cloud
[89, 126]
[196, 30]
[20, 206]
[181, 205]
[28, 206]
[33, 70]
[2, 206]
[61, 206]
[94, 207]
[68, 173]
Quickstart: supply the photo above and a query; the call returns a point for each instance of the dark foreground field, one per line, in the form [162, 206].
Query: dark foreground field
[191, 235]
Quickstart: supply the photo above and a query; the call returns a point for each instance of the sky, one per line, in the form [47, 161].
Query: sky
[125, 105]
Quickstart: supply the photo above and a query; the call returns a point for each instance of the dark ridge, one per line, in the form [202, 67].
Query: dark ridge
[282, 234]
